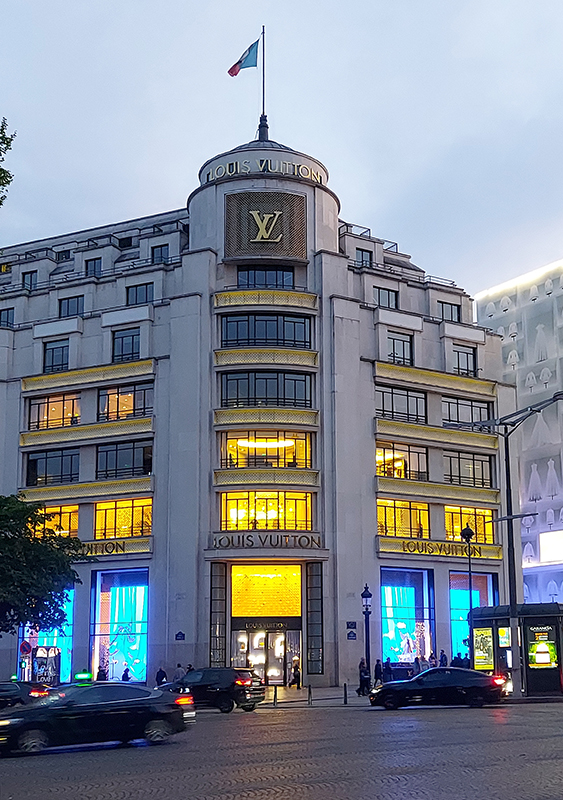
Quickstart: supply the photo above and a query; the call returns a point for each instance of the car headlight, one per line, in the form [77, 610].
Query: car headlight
[11, 721]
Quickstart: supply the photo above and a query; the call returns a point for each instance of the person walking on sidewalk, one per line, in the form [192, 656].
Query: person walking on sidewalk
[378, 673]
[178, 673]
[364, 678]
[296, 678]
[387, 671]
[443, 659]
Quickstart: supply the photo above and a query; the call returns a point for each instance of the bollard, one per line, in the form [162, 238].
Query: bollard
[309, 695]
[345, 694]
[275, 696]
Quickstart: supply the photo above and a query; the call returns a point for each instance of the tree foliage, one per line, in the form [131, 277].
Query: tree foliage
[6, 176]
[36, 572]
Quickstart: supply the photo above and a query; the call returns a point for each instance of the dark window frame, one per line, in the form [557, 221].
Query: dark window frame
[264, 278]
[140, 294]
[7, 317]
[478, 410]
[160, 254]
[389, 400]
[465, 360]
[364, 258]
[480, 469]
[143, 401]
[29, 280]
[266, 330]
[126, 345]
[415, 456]
[385, 298]
[400, 348]
[266, 388]
[93, 267]
[449, 312]
[47, 467]
[71, 306]
[111, 459]
[393, 515]
[38, 421]
[55, 356]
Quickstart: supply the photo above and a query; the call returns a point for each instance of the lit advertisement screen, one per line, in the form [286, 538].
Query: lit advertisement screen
[542, 646]
[483, 653]
[406, 615]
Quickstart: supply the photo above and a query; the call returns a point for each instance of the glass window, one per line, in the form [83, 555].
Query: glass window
[265, 389]
[259, 449]
[403, 518]
[125, 242]
[62, 255]
[29, 280]
[385, 298]
[159, 254]
[246, 511]
[119, 628]
[62, 520]
[465, 360]
[50, 660]
[71, 306]
[407, 615]
[467, 469]
[54, 411]
[270, 330]
[52, 466]
[137, 295]
[121, 402]
[482, 595]
[478, 519]
[265, 278]
[400, 404]
[265, 590]
[126, 345]
[364, 258]
[401, 461]
[399, 348]
[120, 519]
[55, 356]
[450, 312]
[315, 658]
[93, 267]
[124, 460]
[6, 318]
[459, 410]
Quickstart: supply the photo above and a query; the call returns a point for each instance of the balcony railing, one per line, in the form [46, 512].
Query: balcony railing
[408, 475]
[265, 402]
[264, 462]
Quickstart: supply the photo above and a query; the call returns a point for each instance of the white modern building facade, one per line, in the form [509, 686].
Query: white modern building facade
[247, 410]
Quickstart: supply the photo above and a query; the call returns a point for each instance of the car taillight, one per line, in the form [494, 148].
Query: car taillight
[38, 693]
[499, 680]
[240, 682]
[184, 700]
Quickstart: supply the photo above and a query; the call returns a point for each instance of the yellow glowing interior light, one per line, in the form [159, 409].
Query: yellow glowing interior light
[267, 445]
[266, 590]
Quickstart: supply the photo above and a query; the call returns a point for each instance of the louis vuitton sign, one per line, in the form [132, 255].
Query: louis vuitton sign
[265, 223]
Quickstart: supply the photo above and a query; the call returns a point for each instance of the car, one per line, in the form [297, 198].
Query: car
[440, 686]
[95, 712]
[14, 693]
[222, 688]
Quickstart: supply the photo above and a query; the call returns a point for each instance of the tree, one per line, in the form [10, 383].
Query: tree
[36, 569]
[6, 176]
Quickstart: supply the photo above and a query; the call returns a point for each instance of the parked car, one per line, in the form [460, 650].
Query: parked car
[13, 693]
[440, 686]
[97, 712]
[222, 687]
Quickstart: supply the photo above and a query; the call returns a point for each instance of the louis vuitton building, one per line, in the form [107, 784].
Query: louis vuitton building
[247, 410]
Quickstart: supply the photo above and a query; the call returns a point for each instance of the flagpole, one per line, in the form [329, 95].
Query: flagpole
[263, 69]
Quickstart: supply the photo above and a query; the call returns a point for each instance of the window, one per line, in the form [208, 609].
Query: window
[244, 449]
[143, 293]
[265, 278]
[43, 668]
[62, 255]
[159, 254]
[244, 511]
[484, 593]
[364, 258]
[314, 573]
[120, 519]
[460, 411]
[124, 460]
[407, 614]
[53, 411]
[400, 404]
[467, 469]
[93, 267]
[6, 318]
[401, 461]
[265, 389]
[403, 518]
[125, 242]
[119, 626]
[478, 519]
[465, 360]
[385, 298]
[399, 348]
[218, 616]
[126, 345]
[71, 306]
[121, 402]
[29, 280]
[55, 356]
[450, 312]
[52, 466]
[269, 330]
[63, 521]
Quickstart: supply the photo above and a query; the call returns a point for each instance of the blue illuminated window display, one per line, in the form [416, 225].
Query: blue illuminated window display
[50, 658]
[407, 614]
[482, 595]
[119, 629]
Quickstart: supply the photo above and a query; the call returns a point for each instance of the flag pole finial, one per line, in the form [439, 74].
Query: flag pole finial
[263, 129]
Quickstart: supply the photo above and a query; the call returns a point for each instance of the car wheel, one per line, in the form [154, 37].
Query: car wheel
[225, 705]
[33, 741]
[476, 701]
[249, 707]
[390, 703]
[157, 731]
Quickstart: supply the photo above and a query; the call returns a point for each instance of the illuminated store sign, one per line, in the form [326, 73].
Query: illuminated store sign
[280, 541]
[118, 547]
[421, 547]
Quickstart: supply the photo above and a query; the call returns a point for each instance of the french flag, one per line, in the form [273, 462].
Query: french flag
[248, 59]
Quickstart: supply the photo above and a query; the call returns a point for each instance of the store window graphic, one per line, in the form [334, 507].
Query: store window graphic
[119, 630]
[482, 595]
[407, 615]
[47, 655]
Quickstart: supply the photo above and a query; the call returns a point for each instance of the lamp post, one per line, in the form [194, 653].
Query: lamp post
[467, 535]
[366, 603]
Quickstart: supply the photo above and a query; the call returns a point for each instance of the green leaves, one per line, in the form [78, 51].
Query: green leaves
[6, 176]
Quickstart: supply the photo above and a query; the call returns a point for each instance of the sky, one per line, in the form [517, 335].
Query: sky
[440, 121]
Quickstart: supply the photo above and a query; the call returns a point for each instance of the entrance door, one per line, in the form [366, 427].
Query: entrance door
[271, 654]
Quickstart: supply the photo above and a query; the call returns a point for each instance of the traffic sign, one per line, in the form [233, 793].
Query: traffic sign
[25, 648]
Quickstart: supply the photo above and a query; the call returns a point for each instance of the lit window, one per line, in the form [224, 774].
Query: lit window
[124, 518]
[478, 519]
[401, 461]
[63, 521]
[259, 449]
[266, 511]
[54, 411]
[407, 614]
[403, 518]
[121, 402]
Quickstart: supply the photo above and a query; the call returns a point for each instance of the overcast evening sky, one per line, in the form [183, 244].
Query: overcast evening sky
[440, 121]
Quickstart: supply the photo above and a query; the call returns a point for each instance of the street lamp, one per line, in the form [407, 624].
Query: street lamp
[366, 603]
[467, 535]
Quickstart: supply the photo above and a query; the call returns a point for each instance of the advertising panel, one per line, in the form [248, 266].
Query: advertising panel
[483, 653]
[504, 637]
[542, 646]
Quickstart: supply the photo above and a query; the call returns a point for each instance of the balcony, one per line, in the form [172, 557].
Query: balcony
[266, 297]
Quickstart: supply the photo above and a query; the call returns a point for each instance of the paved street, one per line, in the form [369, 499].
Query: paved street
[353, 753]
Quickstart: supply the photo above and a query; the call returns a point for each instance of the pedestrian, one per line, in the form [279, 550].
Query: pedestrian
[466, 663]
[296, 676]
[161, 677]
[179, 672]
[361, 677]
[457, 661]
[101, 676]
[443, 659]
[424, 665]
[387, 671]
[126, 676]
[416, 669]
[189, 668]
[432, 661]
[378, 673]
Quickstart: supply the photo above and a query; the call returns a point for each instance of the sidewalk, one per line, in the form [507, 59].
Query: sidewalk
[289, 696]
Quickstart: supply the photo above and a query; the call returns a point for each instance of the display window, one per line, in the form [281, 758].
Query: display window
[265, 448]
[407, 615]
[483, 594]
[119, 630]
[47, 655]
[266, 511]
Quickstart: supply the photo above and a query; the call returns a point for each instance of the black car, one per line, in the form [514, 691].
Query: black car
[97, 712]
[15, 693]
[222, 687]
[441, 686]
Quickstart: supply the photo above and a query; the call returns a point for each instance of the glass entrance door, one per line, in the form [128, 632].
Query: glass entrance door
[271, 654]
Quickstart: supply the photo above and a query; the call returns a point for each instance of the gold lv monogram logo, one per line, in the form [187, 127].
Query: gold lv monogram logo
[266, 224]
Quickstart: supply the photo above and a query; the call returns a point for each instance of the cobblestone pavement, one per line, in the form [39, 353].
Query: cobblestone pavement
[340, 753]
